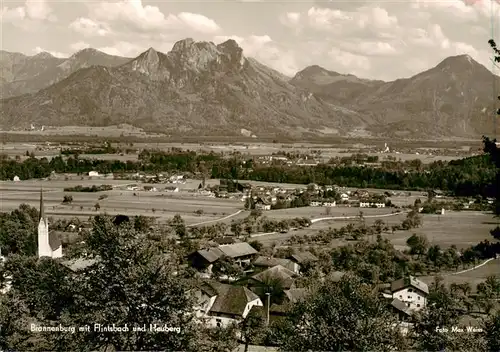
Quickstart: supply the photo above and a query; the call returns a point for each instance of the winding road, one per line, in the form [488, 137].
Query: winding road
[216, 220]
[313, 221]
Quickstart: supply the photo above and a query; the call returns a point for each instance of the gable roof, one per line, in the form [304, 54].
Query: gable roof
[210, 255]
[236, 250]
[231, 299]
[54, 240]
[336, 276]
[303, 257]
[409, 281]
[209, 288]
[400, 306]
[277, 272]
[269, 262]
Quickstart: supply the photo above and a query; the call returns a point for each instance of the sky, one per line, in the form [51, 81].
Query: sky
[370, 39]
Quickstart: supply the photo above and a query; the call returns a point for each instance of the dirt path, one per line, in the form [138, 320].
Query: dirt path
[473, 268]
[355, 217]
[313, 221]
[216, 220]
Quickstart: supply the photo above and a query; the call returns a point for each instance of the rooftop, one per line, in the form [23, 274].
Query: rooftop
[409, 281]
[236, 250]
[231, 299]
[303, 257]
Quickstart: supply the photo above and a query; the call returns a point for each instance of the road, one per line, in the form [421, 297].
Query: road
[216, 220]
[313, 221]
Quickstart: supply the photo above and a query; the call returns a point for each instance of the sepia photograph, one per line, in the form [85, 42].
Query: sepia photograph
[250, 175]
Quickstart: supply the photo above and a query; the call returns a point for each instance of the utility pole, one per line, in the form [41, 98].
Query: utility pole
[268, 294]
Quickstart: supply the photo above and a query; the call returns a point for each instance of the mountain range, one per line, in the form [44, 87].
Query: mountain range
[205, 89]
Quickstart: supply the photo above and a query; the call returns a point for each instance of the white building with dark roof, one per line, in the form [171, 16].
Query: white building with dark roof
[49, 243]
[411, 291]
[223, 304]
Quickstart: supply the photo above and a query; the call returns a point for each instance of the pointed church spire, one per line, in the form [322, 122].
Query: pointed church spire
[42, 206]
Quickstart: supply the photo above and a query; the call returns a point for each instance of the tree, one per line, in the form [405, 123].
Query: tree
[251, 328]
[347, 315]
[418, 244]
[97, 206]
[179, 226]
[132, 283]
[492, 332]
[226, 267]
[257, 245]
[491, 148]
[236, 228]
[441, 311]
[67, 199]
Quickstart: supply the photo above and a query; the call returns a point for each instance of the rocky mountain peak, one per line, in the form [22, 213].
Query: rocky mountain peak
[200, 56]
[147, 63]
[233, 51]
[86, 51]
[43, 55]
[183, 45]
[458, 63]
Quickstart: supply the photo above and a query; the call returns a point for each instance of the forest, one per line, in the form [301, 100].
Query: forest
[468, 177]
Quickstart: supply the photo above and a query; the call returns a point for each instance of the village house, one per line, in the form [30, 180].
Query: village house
[411, 291]
[258, 282]
[93, 173]
[302, 258]
[202, 260]
[278, 311]
[220, 305]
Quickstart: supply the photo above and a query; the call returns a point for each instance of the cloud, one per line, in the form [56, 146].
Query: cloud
[32, 10]
[89, 28]
[198, 22]
[79, 46]
[58, 54]
[352, 62]
[123, 48]
[357, 37]
[264, 49]
[290, 19]
[370, 48]
[132, 15]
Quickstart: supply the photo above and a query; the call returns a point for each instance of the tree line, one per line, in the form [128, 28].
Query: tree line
[465, 177]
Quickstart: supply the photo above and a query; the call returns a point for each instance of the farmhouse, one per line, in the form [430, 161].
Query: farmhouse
[222, 304]
[172, 189]
[263, 263]
[279, 273]
[410, 291]
[241, 252]
[203, 259]
[302, 258]
[93, 173]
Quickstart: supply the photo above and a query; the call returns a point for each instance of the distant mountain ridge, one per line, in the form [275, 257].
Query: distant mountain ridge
[203, 88]
[28, 74]
[198, 87]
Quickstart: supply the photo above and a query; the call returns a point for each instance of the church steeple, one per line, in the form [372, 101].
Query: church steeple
[42, 207]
